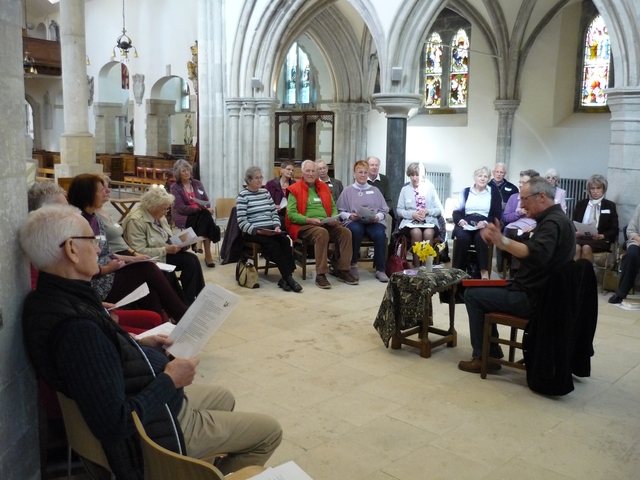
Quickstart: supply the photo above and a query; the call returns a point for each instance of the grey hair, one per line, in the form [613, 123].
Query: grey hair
[42, 193]
[251, 172]
[45, 229]
[319, 161]
[179, 165]
[155, 198]
[529, 173]
[540, 185]
[415, 168]
[305, 162]
[599, 181]
[374, 158]
[553, 173]
[480, 170]
[503, 165]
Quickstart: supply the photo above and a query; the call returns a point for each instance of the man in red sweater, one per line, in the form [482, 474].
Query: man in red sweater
[310, 205]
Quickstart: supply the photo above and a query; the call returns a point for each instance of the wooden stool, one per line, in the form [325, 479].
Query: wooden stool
[516, 323]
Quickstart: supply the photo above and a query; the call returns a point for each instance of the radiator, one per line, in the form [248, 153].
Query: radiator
[576, 189]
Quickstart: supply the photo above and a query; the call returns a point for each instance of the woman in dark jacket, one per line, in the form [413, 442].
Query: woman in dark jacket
[277, 188]
[477, 206]
[600, 211]
[187, 212]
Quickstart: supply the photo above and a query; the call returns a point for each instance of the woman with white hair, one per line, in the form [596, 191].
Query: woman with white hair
[477, 206]
[560, 197]
[187, 212]
[600, 212]
[147, 231]
[418, 208]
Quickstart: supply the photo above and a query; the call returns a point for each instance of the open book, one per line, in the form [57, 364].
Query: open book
[185, 238]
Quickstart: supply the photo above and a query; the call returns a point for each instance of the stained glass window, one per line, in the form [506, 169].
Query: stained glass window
[459, 76]
[433, 71]
[595, 70]
[444, 64]
[299, 88]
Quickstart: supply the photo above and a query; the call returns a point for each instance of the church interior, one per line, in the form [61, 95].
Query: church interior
[127, 88]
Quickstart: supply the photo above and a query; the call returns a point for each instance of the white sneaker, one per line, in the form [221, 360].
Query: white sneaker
[382, 277]
[354, 272]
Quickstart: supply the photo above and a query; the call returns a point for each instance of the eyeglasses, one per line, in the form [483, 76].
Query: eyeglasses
[529, 196]
[96, 239]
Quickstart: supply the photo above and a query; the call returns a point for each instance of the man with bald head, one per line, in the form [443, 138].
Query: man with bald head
[335, 186]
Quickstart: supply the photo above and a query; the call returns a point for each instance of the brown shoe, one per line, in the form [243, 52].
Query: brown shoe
[346, 277]
[322, 282]
[475, 365]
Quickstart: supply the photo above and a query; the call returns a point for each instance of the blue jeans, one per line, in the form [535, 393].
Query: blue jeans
[376, 232]
[482, 300]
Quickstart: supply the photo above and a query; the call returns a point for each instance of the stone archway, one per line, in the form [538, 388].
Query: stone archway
[111, 108]
[166, 115]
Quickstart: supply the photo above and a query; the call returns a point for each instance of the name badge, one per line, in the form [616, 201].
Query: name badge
[605, 211]
[508, 189]
[369, 192]
[317, 199]
[201, 192]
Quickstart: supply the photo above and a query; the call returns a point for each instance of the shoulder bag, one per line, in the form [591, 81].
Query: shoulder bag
[247, 274]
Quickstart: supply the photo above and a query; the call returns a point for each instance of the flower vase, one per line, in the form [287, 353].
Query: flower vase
[428, 265]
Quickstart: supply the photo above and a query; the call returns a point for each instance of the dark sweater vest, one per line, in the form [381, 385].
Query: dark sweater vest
[51, 307]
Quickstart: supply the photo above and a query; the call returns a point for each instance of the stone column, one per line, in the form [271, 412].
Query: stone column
[265, 135]
[106, 123]
[211, 92]
[77, 149]
[506, 110]
[624, 152]
[396, 107]
[19, 456]
[247, 137]
[158, 125]
[229, 170]
[350, 137]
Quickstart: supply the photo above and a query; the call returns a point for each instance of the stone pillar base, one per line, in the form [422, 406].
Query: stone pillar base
[77, 149]
[68, 171]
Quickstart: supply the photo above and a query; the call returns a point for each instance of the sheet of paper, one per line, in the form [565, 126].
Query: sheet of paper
[141, 291]
[589, 228]
[185, 238]
[286, 471]
[365, 214]
[331, 219]
[212, 307]
[283, 202]
[469, 227]
[166, 267]
[162, 329]
[204, 203]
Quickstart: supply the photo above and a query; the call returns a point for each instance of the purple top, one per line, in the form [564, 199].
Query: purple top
[181, 206]
[366, 196]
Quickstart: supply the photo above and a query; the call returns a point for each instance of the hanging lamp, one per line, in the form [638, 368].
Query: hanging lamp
[124, 42]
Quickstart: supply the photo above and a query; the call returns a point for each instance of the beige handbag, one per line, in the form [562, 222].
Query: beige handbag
[247, 274]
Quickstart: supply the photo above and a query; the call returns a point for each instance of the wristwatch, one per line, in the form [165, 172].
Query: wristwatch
[505, 241]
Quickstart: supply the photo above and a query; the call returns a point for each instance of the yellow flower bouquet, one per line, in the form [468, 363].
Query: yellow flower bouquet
[423, 250]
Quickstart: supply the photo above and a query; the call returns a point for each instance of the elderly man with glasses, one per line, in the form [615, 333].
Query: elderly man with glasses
[78, 350]
[552, 245]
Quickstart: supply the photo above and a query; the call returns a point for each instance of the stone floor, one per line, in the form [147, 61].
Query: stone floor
[353, 409]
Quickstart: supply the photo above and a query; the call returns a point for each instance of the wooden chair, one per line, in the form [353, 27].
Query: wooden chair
[163, 464]
[473, 250]
[302, 258]
[223, 210]
[82, 441]
[252, 251]
[515, 323]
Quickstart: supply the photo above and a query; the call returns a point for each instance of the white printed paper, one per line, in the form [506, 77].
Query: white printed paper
[203, 203]
[162, 329]
[331, 219]
[283, 202]
[212, 307]
[286, 471]
[138, 293]
[365, 214]
[165, 267]
[185, 238]
[586, 228]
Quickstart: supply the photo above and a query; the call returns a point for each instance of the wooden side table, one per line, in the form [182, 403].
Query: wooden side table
[124, 206]
[406, 309]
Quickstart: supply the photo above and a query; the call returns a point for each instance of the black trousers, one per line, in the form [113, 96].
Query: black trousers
[204, 226]
[464, 239]
[278, 249]
[190, 270]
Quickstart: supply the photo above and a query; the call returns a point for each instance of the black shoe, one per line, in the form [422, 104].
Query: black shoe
[615, 299]
[295, 286]
[196, 249]
[210, 265]
[282, 283]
